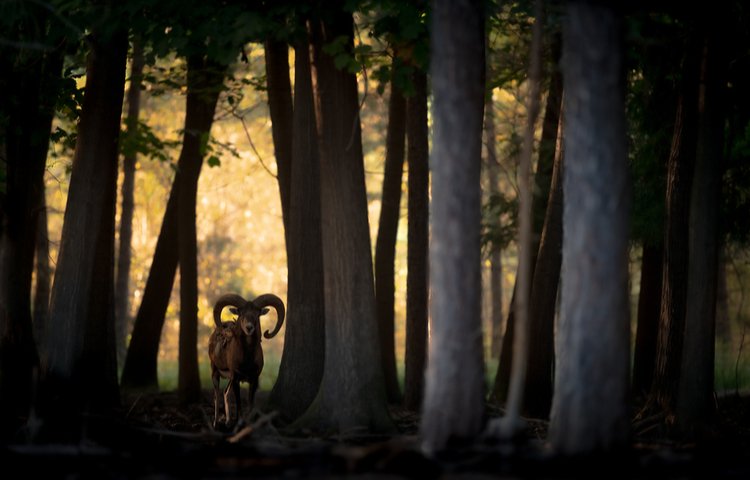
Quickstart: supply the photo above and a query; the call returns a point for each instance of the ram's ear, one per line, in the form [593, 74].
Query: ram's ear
[264, 311]
[234, 311]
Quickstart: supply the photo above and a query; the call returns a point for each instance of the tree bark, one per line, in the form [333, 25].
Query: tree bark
[541, 195]
[539, 379]
[385, 245]
[454, 389]
[280, 108]
[649, 305]
[81, 371]
[139, 371]
[122, 281]
[352, 390]
[304, 341]
[204, 83]
[695, 402]
[43, 274]
[28, 108]
[417, 289]
[590, 411]
[680, 167]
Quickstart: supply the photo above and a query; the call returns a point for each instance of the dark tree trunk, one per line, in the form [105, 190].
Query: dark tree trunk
[28, 108]
[541, 195]
[280, 108]
[204, 83]
[139, 371]
[122, 281]
[454, 389]
[590, 411]
[81, 373]
[695, 403]
[676, 254]
[649, 305]
[385, 245]
[304, 341]
[418, 244]
[352, 390]
[539, 379]
[43, 274]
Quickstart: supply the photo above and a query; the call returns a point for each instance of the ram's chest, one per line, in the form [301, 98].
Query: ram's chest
[230, 350]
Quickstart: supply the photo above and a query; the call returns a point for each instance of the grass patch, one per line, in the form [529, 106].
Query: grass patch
[167, 371]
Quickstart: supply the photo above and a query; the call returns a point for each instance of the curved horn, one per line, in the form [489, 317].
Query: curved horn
[227, 300]
[271, 300]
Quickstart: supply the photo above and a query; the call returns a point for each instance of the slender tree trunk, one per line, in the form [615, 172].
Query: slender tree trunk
[43, 275]
[385, 245]
[649, 305]
[352, 390]
[304, 341]
[695, 403]
[417, 289]
[33, 80]
[454, 388]
[139, 371]
[676, 255]
[496, 265]
[204, 83]
[590, 410]
[541, 195]
[280, 108]
[81, 373]
[122, 281]
[539, 381]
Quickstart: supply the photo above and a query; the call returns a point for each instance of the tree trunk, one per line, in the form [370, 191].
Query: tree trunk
[723, 326]
[649, 305]
[122, 281]
[280, 108]
[352, 390]
[541, 195]
[139, 371]
[493, 179]
[43, 274]
[539, 379]
[32, 79]
[676, 255]
[417, 289]
[590, 411]
[204, 83]
[695, 403]
[385, 245]
[81, 373]
[304, 341]
[454, 390]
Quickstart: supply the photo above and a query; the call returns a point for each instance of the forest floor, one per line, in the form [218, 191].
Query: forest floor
[154, 437]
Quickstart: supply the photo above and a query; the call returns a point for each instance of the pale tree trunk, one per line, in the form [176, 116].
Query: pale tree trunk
[204, 83]
[695, 404]
[454, 388]
[590, 411]
[304, 340]
[680, 167]
[385, 245]
[122, 281]
[81, 373]
[352, 390]
[417, 289]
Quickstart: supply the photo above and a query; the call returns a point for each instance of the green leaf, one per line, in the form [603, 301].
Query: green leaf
[213, 161]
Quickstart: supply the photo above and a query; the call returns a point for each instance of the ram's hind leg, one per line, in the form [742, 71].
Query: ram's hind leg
[215, 378]
[237, 401]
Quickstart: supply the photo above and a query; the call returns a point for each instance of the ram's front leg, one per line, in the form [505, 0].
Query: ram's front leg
[237, 401]
[252, 390]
